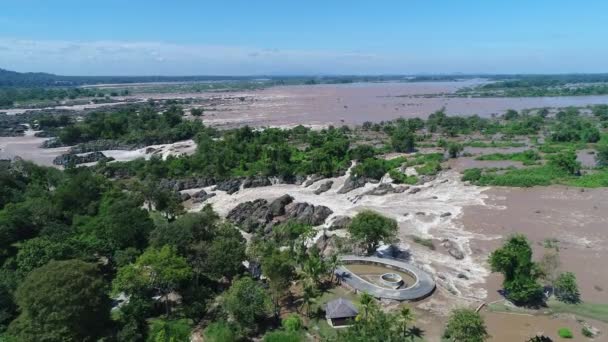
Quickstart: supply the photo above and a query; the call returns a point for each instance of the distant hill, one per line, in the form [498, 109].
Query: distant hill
[38, 79]
[27, 79]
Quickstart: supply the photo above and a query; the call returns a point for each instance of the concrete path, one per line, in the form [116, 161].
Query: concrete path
[423, 286]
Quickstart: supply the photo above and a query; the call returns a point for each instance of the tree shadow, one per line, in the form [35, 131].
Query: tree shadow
[415, 332]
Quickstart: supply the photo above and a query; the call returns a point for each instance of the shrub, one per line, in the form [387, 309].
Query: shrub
[425, 242]
[429, 169]
[587, 332]
[292, 323]
[566, 289]
[565, 333]
[471, 175]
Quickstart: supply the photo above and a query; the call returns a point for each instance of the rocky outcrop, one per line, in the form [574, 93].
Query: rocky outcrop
[307, 213]
[261, 214]
[328, 245]
[453, 249]
[187, 183]
[340, 222]
[101, 145]
[74, 159]
[256, 182]
[277, 207]
[312, 180]
[201, 196]
[352, 183]
[251, 215]
[324, 187]
[230, 186]
[386, 188]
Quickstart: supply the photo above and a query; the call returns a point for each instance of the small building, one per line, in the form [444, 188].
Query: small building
[340, 312]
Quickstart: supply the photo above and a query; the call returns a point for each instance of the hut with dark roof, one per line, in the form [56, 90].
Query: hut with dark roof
[340, 312]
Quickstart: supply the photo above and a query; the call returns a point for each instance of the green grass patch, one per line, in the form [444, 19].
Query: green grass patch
[401, 178]
[588, 310]
[528, 157]
[500, 144]
[565, 333]
[597, 179]
[532, 176]
[428, 243]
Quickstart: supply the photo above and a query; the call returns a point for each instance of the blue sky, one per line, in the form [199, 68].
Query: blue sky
[303, 37]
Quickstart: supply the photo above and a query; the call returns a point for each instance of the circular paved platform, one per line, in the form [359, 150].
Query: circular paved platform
[423, 287]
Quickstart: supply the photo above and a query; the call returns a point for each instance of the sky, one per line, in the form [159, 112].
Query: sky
[263, 37]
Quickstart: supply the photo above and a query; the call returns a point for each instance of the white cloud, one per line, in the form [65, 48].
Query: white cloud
[109, 57]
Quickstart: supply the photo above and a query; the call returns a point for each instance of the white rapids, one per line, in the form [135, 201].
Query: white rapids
[445, 194]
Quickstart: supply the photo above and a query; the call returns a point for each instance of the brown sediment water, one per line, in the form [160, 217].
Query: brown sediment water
[336, 104]
[575, 217]
[510, 327]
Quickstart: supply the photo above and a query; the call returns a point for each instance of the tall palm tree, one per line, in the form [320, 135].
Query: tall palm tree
[308, 298]
[366, 302]
[333, 262]
[405, 317]
[313, 268]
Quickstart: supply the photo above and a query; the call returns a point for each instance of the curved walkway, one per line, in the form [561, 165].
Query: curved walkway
[423, 286]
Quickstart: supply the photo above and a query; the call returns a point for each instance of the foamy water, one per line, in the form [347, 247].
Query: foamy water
[444, 194]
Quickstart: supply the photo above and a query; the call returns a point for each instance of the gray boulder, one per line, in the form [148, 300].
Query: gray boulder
[277, 207]
[307, 213]
[324, 187]
[352, 183]
[340, 222]
[230, 186]
[201, 196]
[256, 182]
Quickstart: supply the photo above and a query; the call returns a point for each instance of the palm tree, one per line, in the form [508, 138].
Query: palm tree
[366, 302]
[333, 262]
[308, 298]
[313, 268]
[405, 317]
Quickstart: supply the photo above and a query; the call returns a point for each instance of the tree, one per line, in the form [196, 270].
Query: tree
[514, 261]
[466, 325]
[403, 140]
[292, 323]
[196, 111]
[549, 265]
[601, 156]
[313, 268]
[161, 270]
[218, 262]
[282, 336]
[454, 149]
[308, 297]
[405, 317]
[367, 302]
[62, 301]
[333, 262]
[278, 268]
[566, 289]
[378, 326]
[170, 331]
[247, 302]
[566, 161]
[221, 332]
[370, 228]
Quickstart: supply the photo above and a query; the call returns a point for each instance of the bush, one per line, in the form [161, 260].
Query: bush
[587, 332]
[425, 242]
[566, 289]
[282, 336]
[292, 323]
[565, 333]
[471, 175]
[429, 169]
[220, 332]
